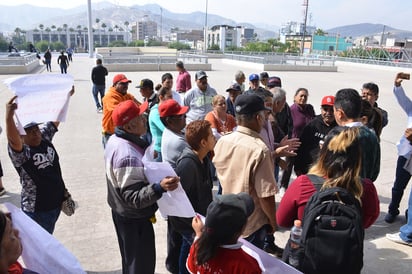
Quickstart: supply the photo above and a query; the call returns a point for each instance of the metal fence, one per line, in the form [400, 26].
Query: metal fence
[157, 58]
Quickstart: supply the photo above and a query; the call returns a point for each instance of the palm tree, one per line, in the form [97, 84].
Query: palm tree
[48, 30]
[104, 26]
[41, 27]
[67, 34]
[98, 27]
[126, 23]
[59, 29]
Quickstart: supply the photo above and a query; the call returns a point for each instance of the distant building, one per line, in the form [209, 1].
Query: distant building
[144, 29]
[187, 37]
[76, 38]
[294, 29]
[228, 36]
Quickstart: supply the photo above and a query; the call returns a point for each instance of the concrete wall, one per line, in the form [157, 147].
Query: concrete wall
[155, 67]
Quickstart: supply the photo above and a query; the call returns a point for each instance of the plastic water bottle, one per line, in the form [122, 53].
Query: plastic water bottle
[295, 235]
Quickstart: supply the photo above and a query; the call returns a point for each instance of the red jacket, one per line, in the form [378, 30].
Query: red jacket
[293, 203]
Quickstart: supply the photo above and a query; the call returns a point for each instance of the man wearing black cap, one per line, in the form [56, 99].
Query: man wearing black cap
[199, 99]
[37, 163]
[244, 164]
[148, 94]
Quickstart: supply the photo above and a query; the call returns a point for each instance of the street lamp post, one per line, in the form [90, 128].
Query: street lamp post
[90, 31]
[205, 35]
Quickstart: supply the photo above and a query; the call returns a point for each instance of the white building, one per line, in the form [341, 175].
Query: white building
[228, 36]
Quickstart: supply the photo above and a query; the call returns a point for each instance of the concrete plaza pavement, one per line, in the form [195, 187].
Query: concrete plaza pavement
[89, 234]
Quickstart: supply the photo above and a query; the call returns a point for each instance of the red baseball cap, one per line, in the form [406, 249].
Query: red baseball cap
[120, 78]
[328, 100]
[126, 111]
[171, 108]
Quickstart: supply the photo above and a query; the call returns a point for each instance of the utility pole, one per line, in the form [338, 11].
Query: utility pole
[161, 23]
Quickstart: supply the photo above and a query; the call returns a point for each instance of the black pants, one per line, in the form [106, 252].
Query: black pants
[174, 243]
[137, 244]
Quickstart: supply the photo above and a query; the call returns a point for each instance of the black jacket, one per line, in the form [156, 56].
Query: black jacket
[99, 74]
[312, 134]
[196, 180]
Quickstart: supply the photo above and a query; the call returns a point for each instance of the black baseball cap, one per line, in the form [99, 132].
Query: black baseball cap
[249, 103]
[145, 83]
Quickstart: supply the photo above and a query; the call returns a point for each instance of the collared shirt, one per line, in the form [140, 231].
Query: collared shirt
[244, 164]
[183, 81]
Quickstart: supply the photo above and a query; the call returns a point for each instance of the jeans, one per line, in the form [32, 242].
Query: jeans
[48, 64]
[46, 219]
[174, 243]
[63, 68]
[257, 238]
[406, 230]
[401, 181]
[137, 244]
[98, 89]
[187, 241]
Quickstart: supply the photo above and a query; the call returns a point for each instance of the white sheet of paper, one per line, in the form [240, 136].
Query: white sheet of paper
[41, 97]
[172, 203]
[41, 251]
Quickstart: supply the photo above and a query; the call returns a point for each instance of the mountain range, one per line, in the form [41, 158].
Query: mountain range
[30, 17]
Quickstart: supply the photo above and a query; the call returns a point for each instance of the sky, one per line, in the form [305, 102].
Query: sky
[324, 14]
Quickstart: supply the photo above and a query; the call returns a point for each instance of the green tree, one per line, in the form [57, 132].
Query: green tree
[57, 46]
[320, 32]
[41, 27]
[48, 30]
[118, 43]
[214, 47]
[42, 46]
[4, 46]
[178, 46]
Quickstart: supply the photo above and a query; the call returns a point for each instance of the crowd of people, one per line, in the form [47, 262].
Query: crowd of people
[249, 143]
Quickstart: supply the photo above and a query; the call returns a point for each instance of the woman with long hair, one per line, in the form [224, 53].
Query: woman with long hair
[338, 165]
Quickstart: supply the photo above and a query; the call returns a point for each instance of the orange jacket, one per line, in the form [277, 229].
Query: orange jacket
[110, 100]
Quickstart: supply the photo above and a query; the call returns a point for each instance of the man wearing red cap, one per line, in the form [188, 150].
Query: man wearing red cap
[117, 93]
[131, 197]
[313, 135]
[173, 116]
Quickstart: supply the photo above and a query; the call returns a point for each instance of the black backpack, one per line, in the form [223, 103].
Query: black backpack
[332, 233]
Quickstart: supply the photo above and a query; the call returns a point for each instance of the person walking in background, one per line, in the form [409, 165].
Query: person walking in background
[47, 59]
[70, 54]
[99, 73]
[183, 80]
[63, 62]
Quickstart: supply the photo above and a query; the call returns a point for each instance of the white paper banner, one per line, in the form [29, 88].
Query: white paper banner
[172, 203]
[41, 97]
[42, 253]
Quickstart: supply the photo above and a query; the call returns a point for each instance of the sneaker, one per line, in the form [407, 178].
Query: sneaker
[390, 218]
[397, 239]
[99, 110]
[274, 249]
[2, 191]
